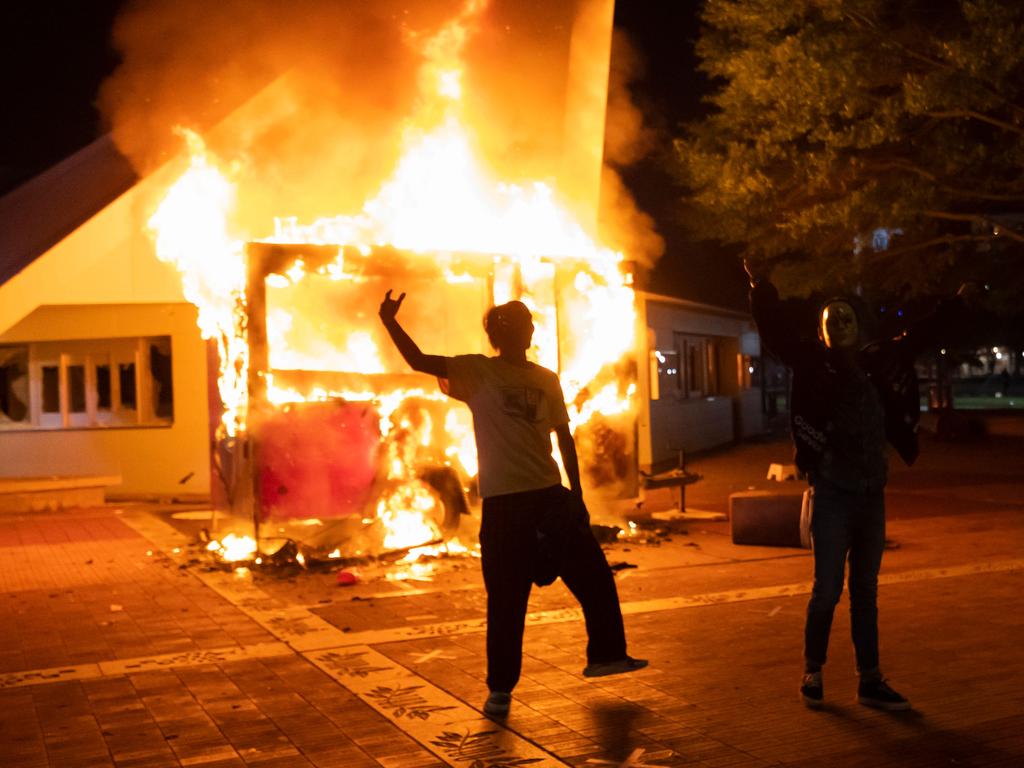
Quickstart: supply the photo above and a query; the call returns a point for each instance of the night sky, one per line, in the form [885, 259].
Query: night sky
[56, 54]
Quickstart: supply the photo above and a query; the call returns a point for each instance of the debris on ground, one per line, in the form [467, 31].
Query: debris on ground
[346, 578]
[621, 566]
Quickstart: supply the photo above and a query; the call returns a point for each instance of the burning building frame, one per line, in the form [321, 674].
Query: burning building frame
[486, 191]
[329, 429]
[318, 420]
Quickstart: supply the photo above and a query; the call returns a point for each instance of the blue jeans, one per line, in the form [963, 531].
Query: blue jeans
[846, 525]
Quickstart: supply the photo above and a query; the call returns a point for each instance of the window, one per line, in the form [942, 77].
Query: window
[749, 371]
[51, 389]
[668, 372]
[690, 370]
[14, 385]
[103, 387]
[76, 386]
[88, 383]
[126, 379]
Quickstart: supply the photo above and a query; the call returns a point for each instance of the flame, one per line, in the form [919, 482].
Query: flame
[440, 199]
[191, 228]
[405, 514]
[233, 548]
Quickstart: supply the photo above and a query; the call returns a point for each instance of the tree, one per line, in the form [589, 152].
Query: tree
[873, 143]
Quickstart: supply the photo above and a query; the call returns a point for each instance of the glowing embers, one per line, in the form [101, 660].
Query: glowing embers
[406, 515]
[233, 549]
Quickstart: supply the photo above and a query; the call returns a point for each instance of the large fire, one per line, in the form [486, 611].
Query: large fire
[449, 219]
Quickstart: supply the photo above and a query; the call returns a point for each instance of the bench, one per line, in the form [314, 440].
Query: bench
[31, 494]
[676, 479]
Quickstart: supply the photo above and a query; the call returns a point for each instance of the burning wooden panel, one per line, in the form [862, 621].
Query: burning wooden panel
[318, 460]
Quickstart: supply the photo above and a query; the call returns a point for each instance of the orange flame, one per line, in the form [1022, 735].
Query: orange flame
[440, 199]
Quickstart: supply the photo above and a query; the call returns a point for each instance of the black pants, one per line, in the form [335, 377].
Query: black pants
[508, 547]
[847, 526]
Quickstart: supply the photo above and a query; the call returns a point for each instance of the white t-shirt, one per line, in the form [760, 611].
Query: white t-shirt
[514, 409]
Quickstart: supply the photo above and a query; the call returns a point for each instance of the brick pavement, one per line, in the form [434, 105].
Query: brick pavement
[177, 666]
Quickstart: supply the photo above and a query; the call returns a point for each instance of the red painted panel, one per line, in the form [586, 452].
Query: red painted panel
[318, 460]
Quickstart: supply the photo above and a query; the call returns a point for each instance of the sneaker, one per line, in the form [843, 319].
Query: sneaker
[497, 704]
[877, 693]
[812, 690]
[600, 669]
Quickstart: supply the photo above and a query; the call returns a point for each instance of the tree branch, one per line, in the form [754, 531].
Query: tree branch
[900, 165]
[932, 61]
[978, 218]
[980, 116]
[944, 240]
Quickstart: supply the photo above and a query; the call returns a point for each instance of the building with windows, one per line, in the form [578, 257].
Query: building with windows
[102, 369]
[703, 388]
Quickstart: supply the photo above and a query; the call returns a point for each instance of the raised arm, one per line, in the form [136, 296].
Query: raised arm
[774, 319]
[435, 365]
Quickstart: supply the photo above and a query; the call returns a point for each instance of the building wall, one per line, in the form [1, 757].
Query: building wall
[751, 413]
[109, 259]
[689, 425]
[167, 461]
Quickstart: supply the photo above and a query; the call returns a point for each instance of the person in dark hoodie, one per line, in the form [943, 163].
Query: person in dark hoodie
[533, 529]
[848, 401]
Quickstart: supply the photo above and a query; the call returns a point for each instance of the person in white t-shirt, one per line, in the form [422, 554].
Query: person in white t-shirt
[533, 529]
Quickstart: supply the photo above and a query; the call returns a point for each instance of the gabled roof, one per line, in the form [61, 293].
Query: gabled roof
[44, 210]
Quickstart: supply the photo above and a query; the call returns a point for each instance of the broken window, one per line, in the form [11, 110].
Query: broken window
[87, 383]
[163, 385]
[14, 385]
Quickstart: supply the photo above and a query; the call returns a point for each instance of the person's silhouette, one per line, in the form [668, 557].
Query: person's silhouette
[533, 529]
[848, 400]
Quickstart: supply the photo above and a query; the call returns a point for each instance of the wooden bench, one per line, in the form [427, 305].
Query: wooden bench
[31, 494]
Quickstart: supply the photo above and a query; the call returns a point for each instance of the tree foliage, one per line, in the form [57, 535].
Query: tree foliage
[830, 120]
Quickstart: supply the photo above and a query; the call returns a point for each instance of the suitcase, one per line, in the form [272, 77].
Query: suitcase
[771, 518]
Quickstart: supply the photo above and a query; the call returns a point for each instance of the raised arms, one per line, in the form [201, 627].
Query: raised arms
[435, 365]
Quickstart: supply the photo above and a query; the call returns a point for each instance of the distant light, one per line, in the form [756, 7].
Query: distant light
[994, 350]
[942, 351]
[882, 308]
[899, 313]
[999, 355]
[750, 369]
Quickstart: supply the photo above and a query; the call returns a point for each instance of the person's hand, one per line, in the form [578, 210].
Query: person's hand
[578, 510]
[389, 307]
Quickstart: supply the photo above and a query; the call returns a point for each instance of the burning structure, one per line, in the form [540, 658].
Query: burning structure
[452, 150]
[319, 421]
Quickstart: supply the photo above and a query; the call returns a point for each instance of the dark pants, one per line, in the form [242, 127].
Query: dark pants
[846, 525]
[508, 548]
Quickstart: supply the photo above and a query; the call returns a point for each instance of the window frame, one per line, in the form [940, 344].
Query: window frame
[92, 354]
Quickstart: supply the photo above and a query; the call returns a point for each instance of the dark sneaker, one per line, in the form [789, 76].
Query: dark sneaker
[877, 693]
[812, 691]
[498, 704]
[628, 664]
